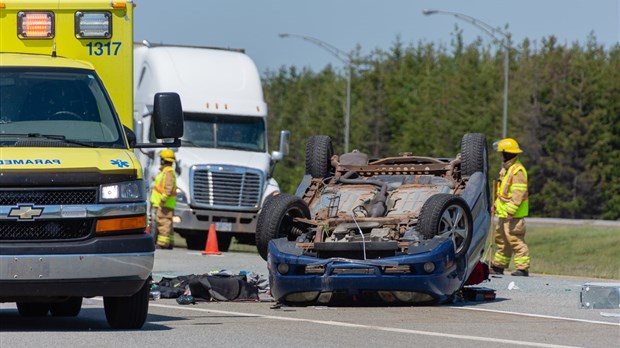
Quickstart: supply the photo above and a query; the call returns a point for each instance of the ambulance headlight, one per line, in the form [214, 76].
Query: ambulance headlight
[128, 191]
[93, 25]
[35, 25]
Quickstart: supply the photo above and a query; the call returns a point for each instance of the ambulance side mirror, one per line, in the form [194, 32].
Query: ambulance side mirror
[167, 121]
[168, 116]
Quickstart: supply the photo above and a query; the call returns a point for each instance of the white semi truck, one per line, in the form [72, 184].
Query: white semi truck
[224, 166]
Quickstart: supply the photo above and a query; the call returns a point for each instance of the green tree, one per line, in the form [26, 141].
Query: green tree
[563, 109]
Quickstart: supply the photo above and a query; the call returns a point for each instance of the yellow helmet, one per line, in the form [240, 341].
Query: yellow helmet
[507, 145]
[167, 155]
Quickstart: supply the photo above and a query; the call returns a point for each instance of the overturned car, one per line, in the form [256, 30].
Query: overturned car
[396, 230]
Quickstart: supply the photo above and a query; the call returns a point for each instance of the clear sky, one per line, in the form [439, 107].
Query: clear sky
[254, 25]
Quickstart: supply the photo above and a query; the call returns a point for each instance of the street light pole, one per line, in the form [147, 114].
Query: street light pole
[505, 42]
[338, 53]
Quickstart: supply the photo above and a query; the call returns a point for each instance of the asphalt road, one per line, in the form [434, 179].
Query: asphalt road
[538, 311]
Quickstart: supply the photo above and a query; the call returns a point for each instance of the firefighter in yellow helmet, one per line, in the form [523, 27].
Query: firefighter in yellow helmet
[164, 200]
[511, 206]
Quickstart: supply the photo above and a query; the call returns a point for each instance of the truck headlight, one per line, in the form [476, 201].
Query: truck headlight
[181, 197]
[128, 191]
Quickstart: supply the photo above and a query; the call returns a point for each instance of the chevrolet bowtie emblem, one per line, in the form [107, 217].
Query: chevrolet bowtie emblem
[25, 212]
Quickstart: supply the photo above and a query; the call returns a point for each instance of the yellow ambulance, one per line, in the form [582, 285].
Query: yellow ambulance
[72, 193]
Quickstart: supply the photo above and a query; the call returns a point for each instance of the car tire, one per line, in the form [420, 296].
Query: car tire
[473, 154]
[276, 220]
[68, 308]
[319, 153]
[33, 309]
[444, 213]
[128, 312]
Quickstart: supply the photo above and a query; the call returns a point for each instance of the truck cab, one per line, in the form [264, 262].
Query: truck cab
[224, 166]
[72, 193]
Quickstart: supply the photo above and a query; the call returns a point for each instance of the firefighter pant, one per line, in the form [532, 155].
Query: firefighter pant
[510, 239]
[165, 233]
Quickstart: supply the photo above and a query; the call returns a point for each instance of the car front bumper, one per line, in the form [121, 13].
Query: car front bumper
[95, 267]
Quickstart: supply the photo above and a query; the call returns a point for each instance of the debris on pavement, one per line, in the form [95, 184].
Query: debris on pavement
[599, 295]
[213, 286]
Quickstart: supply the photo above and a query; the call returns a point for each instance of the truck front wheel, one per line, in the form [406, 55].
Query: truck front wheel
[223, 241]
[196, 241]
[33, 309]
[68, 308]
[128, 312]
[199, 241]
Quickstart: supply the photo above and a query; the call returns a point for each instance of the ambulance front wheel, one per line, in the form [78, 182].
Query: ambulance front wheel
[128, 312]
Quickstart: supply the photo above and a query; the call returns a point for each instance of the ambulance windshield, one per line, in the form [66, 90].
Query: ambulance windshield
[69, 104]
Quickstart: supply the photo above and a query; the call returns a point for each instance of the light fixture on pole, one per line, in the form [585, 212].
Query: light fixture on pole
[339, 54]
[505, 42]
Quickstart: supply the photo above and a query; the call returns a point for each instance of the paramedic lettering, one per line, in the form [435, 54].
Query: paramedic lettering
[17, 162]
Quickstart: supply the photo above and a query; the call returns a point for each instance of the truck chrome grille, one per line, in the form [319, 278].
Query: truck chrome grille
[54, 196]
[45, 230]
[226, 187]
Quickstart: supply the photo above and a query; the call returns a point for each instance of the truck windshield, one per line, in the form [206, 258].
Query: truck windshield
[64, 105]
[224, 132]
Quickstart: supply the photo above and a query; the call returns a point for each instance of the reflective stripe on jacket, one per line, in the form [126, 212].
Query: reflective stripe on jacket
[512, 195]
[159, 193]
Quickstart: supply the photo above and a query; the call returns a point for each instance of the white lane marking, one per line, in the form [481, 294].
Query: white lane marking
[371, 327]
[537, 316]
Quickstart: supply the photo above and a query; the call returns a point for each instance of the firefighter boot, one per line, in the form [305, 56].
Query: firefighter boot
[496, 270]
[520, 273]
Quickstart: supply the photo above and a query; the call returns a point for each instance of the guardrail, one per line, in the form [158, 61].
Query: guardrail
[572, 222]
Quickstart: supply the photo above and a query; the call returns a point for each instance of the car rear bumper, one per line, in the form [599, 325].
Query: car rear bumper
[365, 280]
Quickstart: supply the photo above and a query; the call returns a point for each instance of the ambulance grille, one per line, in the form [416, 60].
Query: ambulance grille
[45, 230]
[52, 196]
[226, 187]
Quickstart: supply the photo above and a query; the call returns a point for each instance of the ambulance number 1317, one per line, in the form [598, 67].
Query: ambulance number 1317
[101, 49]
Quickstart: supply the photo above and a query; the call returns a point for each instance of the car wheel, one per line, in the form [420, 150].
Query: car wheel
[33, 309]
[447, 214]
[319, 153]
[68, 308]
[128, 312]
[473, 154]
[276, 220]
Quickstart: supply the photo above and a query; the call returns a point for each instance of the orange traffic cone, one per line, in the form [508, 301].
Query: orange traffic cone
[211, 247]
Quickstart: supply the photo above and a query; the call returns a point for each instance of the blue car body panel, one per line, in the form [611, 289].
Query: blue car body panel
[448, 277]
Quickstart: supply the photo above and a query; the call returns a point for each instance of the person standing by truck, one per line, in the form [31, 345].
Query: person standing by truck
[163, 199]
[511, 206]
